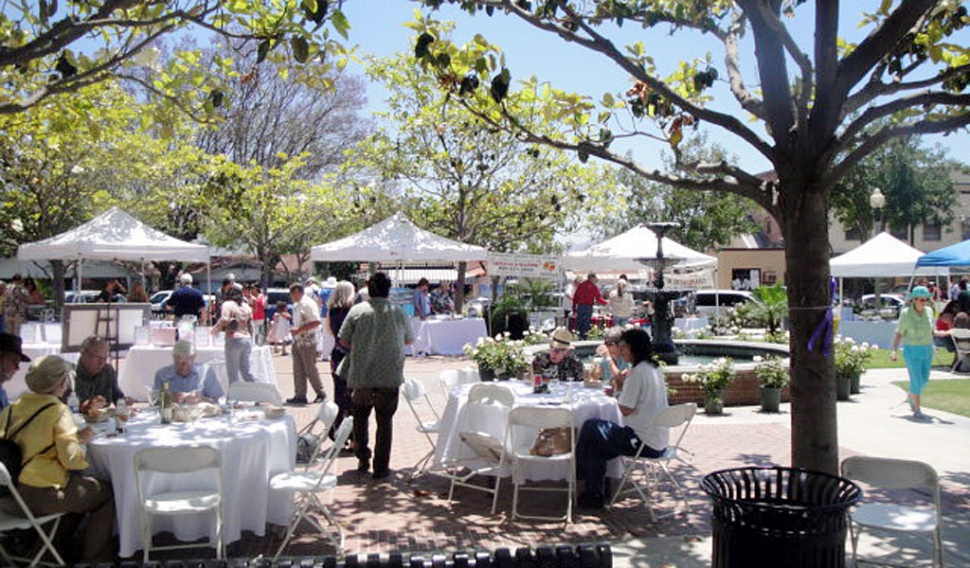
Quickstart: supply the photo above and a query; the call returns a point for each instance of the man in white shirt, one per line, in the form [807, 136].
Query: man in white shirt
[306, 321]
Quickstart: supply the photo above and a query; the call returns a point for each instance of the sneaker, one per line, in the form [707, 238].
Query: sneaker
[296, 400]
[919, 415]
[321, 397]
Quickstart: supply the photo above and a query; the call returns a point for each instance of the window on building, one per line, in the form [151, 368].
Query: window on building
[901, 234]
[769, 277]
[932, 232]
[853, 235]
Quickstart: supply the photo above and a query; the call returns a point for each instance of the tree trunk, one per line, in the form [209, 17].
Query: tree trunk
[814, 425]
[460, 286]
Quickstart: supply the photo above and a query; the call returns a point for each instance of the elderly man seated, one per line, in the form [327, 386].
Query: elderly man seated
[95, 380]
[187, 381]
[560, 361]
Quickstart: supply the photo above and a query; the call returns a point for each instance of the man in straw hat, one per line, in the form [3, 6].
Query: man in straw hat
[52, 449]
[560, 361]
[11, 356]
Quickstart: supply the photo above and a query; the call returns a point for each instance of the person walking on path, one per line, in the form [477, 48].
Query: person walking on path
[584, 297]
[306, 321]
[915, 330]
[235, 321]
[375, 333]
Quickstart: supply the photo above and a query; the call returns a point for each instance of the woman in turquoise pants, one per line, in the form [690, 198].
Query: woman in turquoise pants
[915, 329]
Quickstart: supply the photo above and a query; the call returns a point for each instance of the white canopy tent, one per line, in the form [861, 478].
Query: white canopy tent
[883, 256]
[396, 239]
[620, 253]
[113, 235]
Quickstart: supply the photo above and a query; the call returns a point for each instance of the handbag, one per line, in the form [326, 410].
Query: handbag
[553, 442]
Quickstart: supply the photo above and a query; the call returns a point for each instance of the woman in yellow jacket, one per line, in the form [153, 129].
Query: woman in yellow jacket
[53, 452]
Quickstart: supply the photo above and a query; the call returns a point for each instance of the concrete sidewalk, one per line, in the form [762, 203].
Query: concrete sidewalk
[877, 422]
[398, 515]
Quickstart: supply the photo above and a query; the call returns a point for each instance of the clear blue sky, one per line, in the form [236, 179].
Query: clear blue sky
[380, 31]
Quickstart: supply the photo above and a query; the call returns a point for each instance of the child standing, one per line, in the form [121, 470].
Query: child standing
[279, 330]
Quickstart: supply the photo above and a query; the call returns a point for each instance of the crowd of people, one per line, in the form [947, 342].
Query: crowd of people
[581, 295]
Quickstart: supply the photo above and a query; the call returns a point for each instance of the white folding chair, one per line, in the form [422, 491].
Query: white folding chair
[190, 463]
[451, 378]
[306, 484]
[244, 391]
[961, 344]
[414, 393]
[316, 431]
[525, 423]
[488, 450]
[887, 473]
[670, 417]
[28, 521]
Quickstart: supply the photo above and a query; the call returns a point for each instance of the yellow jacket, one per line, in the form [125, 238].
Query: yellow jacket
[55, 424]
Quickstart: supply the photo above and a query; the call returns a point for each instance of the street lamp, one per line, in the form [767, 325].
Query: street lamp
[876, 201]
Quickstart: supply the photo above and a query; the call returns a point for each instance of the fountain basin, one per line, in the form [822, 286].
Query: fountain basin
[744, 390]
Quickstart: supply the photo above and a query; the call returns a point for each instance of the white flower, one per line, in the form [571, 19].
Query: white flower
[757, 358]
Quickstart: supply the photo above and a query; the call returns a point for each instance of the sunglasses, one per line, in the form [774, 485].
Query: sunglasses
[558, 350]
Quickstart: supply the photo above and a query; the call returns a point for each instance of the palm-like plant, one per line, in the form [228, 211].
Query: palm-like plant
[770, 312]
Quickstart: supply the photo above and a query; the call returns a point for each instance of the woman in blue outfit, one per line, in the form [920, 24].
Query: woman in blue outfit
[644, 394]
[915, 330]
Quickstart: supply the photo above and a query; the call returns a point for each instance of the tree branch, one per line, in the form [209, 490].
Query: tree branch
[732, 58]
[877, 88]
[875, 113]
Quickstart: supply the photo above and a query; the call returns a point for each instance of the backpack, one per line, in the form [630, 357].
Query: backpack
[10, 453]
[306, 444]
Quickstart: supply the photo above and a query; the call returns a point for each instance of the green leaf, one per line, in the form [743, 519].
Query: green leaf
[262, 51]
[301, 49]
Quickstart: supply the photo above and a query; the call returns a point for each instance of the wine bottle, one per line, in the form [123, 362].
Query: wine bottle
[165, 404]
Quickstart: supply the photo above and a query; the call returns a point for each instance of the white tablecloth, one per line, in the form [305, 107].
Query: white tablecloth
[586, 403]
[37, 332]
[252, 452]
[446, 336]
[138, 369]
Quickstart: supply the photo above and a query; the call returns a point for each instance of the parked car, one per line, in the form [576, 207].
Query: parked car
[159, 300]
[890, 304]
[274, 295]
[82, 297]
[710, 303]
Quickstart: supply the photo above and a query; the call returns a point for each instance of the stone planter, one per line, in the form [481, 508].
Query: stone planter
[855, 384]
[770, 399]
[714, 402]
[842, 387]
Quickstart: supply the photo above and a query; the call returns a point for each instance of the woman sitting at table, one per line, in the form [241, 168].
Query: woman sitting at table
[187, 381]
[644, 394]
[612, 368]
[560, 361]
[53, 455]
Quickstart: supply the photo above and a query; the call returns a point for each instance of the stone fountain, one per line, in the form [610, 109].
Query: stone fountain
[663, 317]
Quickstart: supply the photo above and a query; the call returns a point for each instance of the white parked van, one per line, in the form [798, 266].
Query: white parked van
[713, 302]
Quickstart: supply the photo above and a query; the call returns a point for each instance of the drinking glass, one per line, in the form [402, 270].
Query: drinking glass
[152, 398]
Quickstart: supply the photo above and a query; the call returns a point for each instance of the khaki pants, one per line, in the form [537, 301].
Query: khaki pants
[82, 496]
[305, 367]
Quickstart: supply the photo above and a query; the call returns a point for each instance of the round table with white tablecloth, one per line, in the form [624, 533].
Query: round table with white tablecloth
[584, 403]
[445, 336]
[252, 452]
[137, 373]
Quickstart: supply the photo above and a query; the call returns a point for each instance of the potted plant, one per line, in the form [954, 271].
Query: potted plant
[772, 374]
[851, 360]
[498, 357]
[713, 379]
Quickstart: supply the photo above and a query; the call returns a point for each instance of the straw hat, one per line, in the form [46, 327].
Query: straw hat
[45, 373]
[561, 339]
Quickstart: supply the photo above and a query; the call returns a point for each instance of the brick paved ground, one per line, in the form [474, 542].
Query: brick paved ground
[397, 515]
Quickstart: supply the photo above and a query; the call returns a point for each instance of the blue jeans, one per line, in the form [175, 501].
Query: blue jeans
[237, 359]
[584, 316]
[600, 441]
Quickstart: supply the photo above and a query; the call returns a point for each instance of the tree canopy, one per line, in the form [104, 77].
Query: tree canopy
[813, 108]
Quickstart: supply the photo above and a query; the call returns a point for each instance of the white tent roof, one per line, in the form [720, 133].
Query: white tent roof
[113, 235]
[396, 239]
[621, 252]
[882, 256]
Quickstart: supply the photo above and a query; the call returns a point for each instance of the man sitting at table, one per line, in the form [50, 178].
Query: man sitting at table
[185, 378]
[560, 361]
[644, 394]
[95, 380]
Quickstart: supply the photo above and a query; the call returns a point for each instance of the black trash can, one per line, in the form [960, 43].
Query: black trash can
[777, 516]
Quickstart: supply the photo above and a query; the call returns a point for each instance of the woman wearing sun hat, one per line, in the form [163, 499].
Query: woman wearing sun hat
[915, 330]
[54, 453]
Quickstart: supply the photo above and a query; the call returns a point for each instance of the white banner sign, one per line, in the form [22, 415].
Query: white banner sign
[524, 265]
[701, 279]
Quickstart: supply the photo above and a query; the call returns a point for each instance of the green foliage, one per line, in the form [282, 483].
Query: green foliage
[501, 354]
[772, 371]
[772, 310]
[952, 395]
[851, 359]
[54, 48]
[713, 377]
